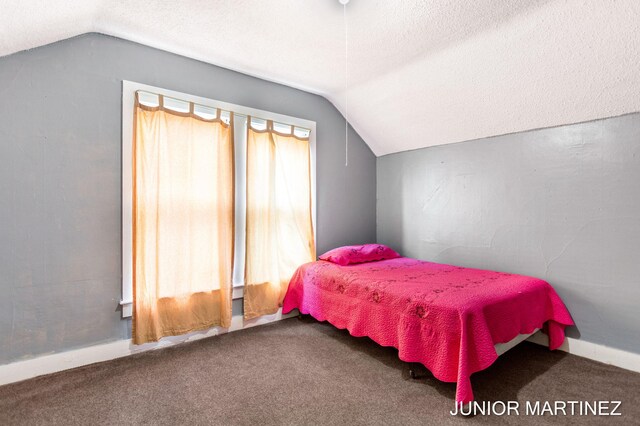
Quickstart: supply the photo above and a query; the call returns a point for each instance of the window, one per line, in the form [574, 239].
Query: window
[207, 109]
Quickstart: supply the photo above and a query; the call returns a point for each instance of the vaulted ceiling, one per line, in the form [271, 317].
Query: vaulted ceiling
[420, 72]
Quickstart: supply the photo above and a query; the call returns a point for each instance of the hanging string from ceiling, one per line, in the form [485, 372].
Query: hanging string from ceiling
[346, 83]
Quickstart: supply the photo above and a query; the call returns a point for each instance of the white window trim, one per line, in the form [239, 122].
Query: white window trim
[129, 89]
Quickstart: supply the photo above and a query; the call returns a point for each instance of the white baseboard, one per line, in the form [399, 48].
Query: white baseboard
[47, 364]
[594, 351]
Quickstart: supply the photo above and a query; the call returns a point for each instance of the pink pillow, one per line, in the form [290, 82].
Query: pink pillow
[349, 255]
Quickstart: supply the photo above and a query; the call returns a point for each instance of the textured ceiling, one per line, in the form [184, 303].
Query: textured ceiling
[421, 73]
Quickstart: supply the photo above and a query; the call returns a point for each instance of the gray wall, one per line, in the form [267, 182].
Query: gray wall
[562, 204]
[60, 178]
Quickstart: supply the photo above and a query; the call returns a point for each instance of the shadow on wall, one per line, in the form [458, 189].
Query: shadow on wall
[561, 204]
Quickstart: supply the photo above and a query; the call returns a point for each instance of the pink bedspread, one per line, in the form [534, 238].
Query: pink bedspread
[446, 317]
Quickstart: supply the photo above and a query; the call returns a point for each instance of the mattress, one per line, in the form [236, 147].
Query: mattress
[448, 318]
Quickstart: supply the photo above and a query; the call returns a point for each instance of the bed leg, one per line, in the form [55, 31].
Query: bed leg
[415, 371]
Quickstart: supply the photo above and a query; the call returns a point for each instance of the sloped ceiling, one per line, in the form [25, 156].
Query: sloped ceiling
[421, 73]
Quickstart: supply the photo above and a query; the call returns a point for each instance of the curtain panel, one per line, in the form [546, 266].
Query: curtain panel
[279, 228]
[183, 222]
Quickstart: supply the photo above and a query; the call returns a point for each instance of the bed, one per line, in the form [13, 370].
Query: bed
[448, 318]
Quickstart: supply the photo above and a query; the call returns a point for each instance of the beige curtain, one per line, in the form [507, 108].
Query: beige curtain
[183, 218]
[279, 225]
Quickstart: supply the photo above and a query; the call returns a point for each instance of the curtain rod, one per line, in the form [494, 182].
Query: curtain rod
[293, 127]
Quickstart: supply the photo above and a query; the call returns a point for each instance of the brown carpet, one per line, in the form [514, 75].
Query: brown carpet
[301, 372]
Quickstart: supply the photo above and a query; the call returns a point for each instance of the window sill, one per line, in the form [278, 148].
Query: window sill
[127, 305]
[238, 292]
